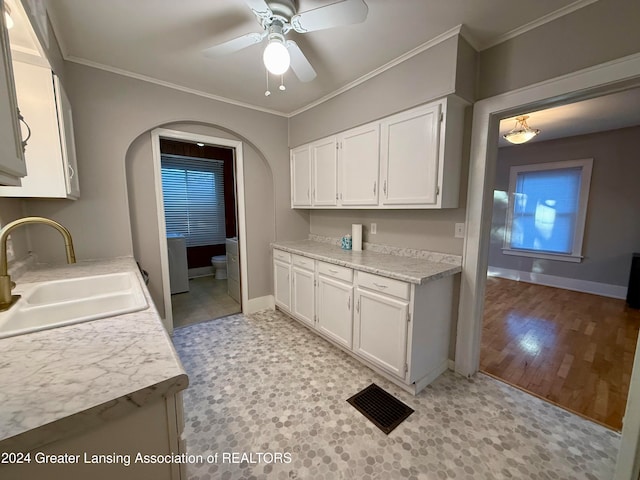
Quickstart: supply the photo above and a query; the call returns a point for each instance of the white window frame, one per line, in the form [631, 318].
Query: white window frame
[586, 166]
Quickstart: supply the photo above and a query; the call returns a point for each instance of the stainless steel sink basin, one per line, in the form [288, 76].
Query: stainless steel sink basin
[59, 303]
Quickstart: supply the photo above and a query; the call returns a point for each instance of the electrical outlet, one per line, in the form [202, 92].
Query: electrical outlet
[459, 232]
[373, 229]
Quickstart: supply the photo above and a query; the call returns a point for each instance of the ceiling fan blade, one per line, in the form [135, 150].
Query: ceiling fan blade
[337, 14]
[259, 8]
[234, 45]
[299, 63]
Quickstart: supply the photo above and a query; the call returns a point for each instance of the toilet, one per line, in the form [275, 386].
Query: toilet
[219, 264]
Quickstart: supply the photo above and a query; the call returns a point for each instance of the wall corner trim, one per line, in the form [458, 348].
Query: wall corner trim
[267, 302]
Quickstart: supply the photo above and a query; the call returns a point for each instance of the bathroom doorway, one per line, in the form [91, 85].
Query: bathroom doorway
[201, 259]
[198, 185]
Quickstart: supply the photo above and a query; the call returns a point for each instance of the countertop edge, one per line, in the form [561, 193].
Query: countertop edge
[454, 269]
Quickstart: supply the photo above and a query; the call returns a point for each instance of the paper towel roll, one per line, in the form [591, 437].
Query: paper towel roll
[356, 237]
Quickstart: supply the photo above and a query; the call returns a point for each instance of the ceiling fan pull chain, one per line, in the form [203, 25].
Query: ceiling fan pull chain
[282, 87]
[267, 92]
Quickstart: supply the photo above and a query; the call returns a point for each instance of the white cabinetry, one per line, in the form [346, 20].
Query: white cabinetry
[12, 164]
[301, 177]
[409, 157]
[282, 279]
[381, 330]
[303, 289]
[324, 161]
[408, 160]
[359, 161]
[400, 330]
[335, 303]
[50, 153]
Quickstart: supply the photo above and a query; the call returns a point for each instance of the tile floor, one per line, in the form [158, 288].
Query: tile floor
[265, 384]
[206, 299]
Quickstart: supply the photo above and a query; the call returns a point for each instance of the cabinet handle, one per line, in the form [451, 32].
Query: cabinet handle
[72, 172]
[380, 286]
[307, 193]
[333, 271]
[374, 188]
[384, 187]
[358, 306]
[21, 119]
[349, 304]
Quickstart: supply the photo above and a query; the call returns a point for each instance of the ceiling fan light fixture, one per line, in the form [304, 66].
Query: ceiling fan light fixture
[522, 132]
[276, 56]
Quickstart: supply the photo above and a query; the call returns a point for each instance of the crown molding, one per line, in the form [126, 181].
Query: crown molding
[550, 17]
[405, 56]
[145, 78]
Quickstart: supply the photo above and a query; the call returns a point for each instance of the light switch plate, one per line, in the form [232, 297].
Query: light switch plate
[459, 233]
[373, 229]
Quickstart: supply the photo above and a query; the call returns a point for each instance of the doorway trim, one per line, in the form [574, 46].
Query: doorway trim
[606, 78]
[156, 135]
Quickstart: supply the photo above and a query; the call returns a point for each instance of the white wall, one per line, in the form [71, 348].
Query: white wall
[11, 209]
[110, 112]
[259, 202]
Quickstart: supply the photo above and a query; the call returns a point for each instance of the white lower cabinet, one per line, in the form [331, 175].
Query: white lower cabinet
[282, 283]
[302, 287]
[400, 330]
[380, 327]
[335, 307]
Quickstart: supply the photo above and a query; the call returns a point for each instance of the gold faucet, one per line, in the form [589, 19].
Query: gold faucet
[6, 285]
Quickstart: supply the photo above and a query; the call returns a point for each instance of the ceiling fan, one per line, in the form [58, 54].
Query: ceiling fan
[279, 17]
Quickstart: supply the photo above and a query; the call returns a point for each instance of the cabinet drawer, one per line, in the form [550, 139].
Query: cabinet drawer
[335, 271]
[386, 285]
[282, 256]
[304, 262]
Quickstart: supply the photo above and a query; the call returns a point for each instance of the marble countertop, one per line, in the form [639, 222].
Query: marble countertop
[408, 269]
[59, 382]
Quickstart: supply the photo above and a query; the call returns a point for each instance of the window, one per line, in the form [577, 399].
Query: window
[193, 191]
[547, 211]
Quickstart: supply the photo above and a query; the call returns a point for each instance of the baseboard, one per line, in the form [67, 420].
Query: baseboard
[584, 286]
[200, 272]
[260, 303]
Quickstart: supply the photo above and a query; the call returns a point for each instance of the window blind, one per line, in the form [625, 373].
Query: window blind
[546, 206]
[193, 191]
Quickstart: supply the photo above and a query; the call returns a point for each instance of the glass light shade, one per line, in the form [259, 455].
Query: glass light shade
[276, 57]
[522, 132]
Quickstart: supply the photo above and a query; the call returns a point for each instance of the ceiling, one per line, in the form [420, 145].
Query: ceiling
[163, 40]
[608, 112]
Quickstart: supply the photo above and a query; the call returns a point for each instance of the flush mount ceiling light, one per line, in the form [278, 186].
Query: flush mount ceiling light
[521, 133]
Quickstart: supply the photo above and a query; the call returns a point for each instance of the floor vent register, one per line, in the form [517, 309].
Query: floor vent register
[383, 409]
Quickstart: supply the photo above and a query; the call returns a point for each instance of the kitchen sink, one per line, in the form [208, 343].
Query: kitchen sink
[59, 303]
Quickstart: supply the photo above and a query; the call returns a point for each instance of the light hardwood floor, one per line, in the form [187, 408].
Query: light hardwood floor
[574, 349]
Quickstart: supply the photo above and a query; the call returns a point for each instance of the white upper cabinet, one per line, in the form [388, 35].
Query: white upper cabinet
[408, 160]
[12, 164]
[409, 157]
[301, 177]
[359, 159]
[50, 152]
[324, 159]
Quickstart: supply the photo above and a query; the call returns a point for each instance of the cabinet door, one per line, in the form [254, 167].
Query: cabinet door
[335, 304]
[324, 155]
[67, 140]
[410, 157]
[282, 284]
[359, 165]
[303, 305]
[301, 177]
[381, 331]
[12, 164]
